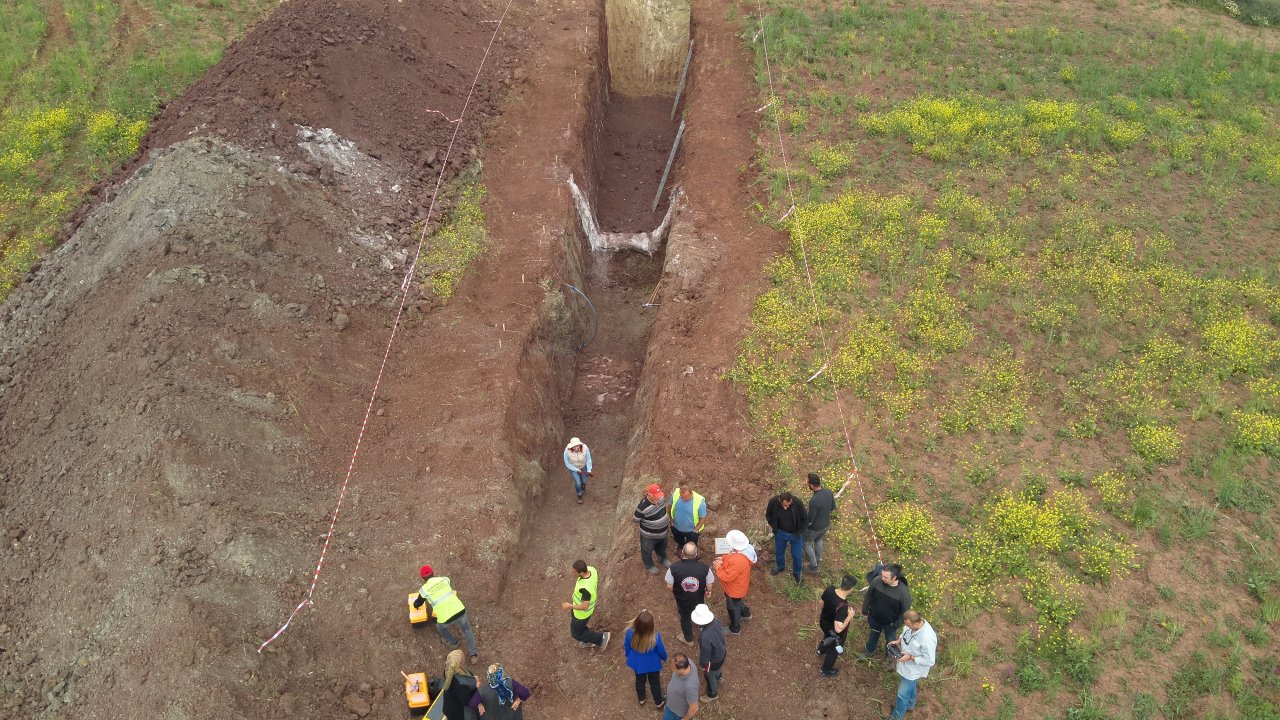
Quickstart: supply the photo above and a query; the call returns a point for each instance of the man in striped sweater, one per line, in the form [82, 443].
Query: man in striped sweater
[653, 514]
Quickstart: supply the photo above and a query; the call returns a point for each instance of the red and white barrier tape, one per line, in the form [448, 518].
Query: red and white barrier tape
[395, 327]
[854, 475]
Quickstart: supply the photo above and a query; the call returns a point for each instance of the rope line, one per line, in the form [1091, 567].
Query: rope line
[594, 313]
[854, 474]
[395, 327]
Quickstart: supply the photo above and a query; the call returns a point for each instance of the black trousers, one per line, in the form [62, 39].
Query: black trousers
[580, 632]
[829, 657]
[738, 611]
[684, 537]
[686, 621]
[655, 685]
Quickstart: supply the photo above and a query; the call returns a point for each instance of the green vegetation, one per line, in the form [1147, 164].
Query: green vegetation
[81, 79]
[1034, 256]
[451, 249]
[1263, 13]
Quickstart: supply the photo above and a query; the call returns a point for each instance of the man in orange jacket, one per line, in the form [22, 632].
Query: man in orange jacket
[734, 571]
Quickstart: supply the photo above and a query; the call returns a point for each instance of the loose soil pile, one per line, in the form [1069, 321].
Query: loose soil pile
[181, 382]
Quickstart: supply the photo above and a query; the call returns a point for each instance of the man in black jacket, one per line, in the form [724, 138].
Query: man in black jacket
[688, 580]
[886, 600]
[787, 519]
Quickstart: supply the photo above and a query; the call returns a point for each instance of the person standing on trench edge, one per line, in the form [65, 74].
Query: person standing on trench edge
[654, 522]
[712, 650]
[688, 515]
[734, 572]
[577, 457]
[786, 517]
[688, 581]
[583, 604]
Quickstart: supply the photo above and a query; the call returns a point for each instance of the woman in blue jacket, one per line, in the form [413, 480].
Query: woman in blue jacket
[645, 656]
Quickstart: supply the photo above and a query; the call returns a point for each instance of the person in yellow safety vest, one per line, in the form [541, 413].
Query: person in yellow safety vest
[447, 609]
[586, 591]
[688, 514]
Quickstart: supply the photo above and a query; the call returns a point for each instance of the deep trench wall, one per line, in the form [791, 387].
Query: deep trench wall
[648, 43]
[534, 425]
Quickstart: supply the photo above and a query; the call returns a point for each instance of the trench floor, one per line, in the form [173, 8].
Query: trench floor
[600, 413]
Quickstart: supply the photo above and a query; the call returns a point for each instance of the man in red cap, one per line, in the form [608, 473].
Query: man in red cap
[450, 614]
[653, 514]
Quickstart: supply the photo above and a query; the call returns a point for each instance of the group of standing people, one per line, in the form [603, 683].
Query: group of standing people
[797, 532]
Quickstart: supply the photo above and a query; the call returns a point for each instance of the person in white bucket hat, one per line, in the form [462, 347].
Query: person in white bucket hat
[734, 572]
[712, 649]
[577, 457]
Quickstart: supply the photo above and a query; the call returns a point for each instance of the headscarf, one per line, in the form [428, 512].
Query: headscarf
[455, 663]
[501, 685]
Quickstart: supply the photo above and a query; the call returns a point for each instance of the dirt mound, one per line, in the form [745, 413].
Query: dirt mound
[181, 380]
[370, 70]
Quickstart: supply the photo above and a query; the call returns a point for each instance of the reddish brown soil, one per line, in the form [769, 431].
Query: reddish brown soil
[636, 142]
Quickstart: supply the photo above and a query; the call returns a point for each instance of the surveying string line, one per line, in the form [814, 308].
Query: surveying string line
[395, 327]
[854, 475]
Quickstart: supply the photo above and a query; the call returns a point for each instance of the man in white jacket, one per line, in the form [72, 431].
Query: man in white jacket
[919, 647]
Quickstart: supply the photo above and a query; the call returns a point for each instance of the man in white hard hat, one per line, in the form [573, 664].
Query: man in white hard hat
[712, 649]
[734, 572]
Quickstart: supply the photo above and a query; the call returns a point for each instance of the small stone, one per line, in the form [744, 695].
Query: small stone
[340, 321]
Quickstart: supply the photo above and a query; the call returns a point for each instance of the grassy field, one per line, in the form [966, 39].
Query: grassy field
[80, 81]
[1035, 265]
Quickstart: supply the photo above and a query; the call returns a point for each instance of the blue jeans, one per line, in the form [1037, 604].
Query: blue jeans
[669, 714]
[873, 638]
[906, 698]
[780, 541]
[459, 623]
[579, 481]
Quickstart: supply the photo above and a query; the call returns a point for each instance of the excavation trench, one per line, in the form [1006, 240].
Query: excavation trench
[630, 143]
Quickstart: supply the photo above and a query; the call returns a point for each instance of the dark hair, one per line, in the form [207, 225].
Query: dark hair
[681, 660]
[848, 582]
[815, 480]
[786, 497]
[580, 566]
[894, 569]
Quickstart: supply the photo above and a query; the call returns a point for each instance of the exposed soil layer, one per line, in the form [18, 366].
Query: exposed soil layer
[635, 144]
[389, 76]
